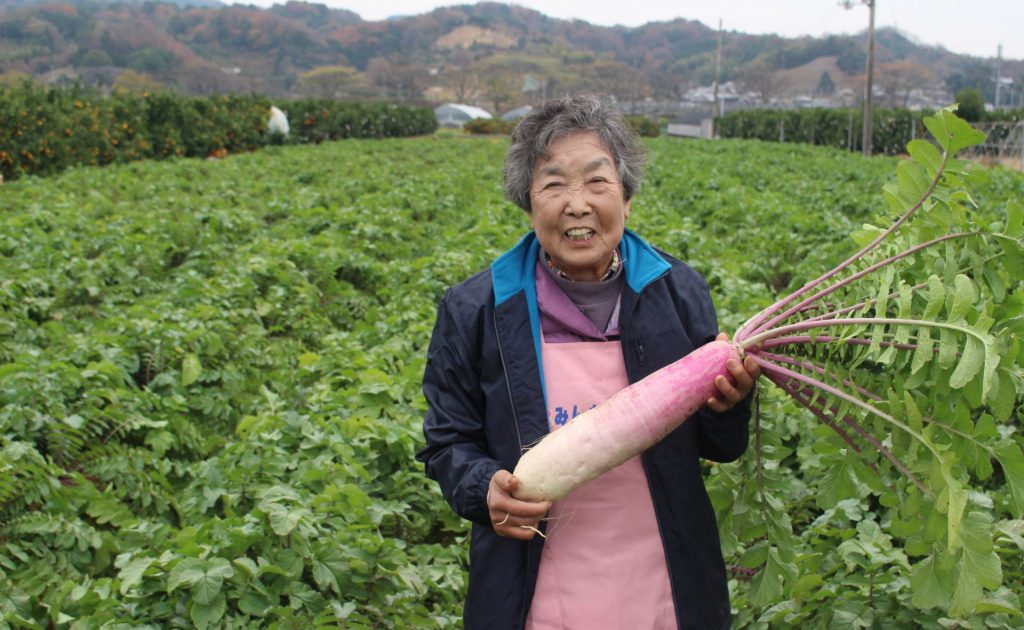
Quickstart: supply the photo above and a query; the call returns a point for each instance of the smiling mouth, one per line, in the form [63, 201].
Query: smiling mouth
[579, 234]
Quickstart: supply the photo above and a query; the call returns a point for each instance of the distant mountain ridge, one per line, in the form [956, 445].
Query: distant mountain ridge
[486, 52]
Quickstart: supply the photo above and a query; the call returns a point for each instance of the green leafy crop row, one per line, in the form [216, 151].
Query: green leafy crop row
[210, 373]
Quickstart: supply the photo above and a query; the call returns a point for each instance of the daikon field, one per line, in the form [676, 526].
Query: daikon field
[210, 391]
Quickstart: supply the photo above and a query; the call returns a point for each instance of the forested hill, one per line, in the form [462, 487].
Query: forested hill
[481, 52]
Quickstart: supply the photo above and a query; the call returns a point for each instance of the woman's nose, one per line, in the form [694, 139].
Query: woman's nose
[576, 203]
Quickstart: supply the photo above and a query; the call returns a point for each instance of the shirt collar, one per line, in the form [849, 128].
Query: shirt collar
[612, 269]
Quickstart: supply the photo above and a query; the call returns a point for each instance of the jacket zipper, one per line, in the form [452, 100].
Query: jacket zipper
[519, 440]
[508, 386]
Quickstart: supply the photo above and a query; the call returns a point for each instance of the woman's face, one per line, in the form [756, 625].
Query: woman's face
[577, 205]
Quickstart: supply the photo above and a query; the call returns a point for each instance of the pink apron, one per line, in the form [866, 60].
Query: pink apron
[603, 564]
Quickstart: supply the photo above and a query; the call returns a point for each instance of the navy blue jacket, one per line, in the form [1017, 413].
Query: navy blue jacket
[485, 389]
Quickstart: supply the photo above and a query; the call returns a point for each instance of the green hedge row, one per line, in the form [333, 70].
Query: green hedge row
[489, 126]
[45, 131]
[841, 128]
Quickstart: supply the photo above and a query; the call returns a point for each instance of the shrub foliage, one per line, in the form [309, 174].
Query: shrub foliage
[839, 128]
[45, 131]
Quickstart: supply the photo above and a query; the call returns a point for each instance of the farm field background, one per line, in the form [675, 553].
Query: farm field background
[210, 384]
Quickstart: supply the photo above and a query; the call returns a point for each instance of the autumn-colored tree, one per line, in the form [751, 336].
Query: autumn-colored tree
[897, 79]
[203, 79]
[502, 87]
[461, 77]
[13, 78]
[397, 77]
[340, 82]
[761, 77]
[607, 76]
[131, 82]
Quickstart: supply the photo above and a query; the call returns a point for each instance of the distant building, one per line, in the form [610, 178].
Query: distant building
[517, 113]
[456, 114]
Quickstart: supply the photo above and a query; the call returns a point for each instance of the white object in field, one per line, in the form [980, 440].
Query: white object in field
[278, 121]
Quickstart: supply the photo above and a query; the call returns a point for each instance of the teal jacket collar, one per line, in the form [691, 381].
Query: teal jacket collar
[513, 271]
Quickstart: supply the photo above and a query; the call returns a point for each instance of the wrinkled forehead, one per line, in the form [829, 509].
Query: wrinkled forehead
[551, 146]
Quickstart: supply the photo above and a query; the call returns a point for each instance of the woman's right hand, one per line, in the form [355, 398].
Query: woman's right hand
[510, 516]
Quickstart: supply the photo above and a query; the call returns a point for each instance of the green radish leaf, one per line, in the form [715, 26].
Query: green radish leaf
[255, 604]
[913, 180]
[985, 428]
[955, 496]
[207, 615]
[972, 359]
[1014, 258]
[1012, 462]
[995, 284]
[962, 134]
[1005, 398]
[936, 125]
[1014, 219]
[838, 482]
[185, 573]
[766, 587]
[948, 347]
[131, 574]
[924, 353]
[965, 297]
[191, 370]
[931, 583]
[913, 413]
[979, 564]
[207, 587]
[755, 555]
[925, 153]
[936, 297]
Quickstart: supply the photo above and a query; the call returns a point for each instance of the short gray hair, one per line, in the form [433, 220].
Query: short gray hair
[559, 118]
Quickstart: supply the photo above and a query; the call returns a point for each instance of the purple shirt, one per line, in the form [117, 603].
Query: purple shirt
[561, 321]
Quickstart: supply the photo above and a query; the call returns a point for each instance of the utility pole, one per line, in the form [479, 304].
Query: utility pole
[869, 92]
[869, 116]
[715, 113]
[999, 75]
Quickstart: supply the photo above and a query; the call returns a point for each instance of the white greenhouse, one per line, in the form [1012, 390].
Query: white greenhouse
[456, 115]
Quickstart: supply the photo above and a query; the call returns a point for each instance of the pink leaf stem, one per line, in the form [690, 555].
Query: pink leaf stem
[857, 276]
[809, 365]
[838, 393]
[805, 401]
[755, 322]
[818, 409]
[776, 373]
[757, 340]
[854, 341]
[895, 294]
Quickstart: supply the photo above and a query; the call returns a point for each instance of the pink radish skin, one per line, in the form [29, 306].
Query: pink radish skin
[628, 423]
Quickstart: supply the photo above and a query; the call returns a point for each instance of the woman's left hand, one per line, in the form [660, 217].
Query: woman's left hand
[732, 391]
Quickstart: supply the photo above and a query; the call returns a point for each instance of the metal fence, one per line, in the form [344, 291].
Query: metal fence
[1004, 143]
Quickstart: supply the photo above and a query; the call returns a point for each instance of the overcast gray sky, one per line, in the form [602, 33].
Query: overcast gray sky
[972, 27]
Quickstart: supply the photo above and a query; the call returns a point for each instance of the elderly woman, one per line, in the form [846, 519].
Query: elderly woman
[579, 309]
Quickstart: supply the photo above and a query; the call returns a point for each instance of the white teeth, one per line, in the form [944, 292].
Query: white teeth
[579, 234]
